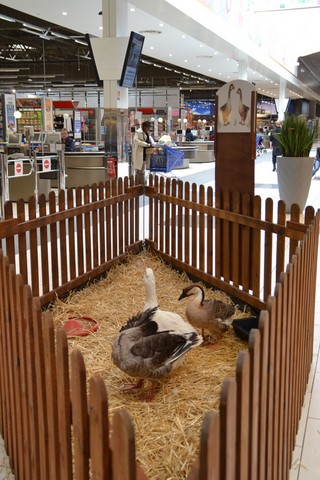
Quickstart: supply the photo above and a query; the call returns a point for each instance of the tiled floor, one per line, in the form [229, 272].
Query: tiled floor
[306, 458]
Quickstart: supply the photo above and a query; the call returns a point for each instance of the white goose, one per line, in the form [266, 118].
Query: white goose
[153, 342]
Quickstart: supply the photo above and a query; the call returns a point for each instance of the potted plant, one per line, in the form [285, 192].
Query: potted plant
[295, 165]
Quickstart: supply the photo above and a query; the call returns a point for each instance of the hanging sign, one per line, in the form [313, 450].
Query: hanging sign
[77, 124]
[235, 107]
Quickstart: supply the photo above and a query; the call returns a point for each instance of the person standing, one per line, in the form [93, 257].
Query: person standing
[69, 145]
[275, 145]
[141, 141]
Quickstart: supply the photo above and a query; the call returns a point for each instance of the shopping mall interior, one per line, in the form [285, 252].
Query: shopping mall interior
[73, 65]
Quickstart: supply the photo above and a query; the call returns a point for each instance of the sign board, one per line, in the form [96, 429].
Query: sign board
[47, 114]
[77, 125]
[235, 107]
[46, 164]
[18, 168]
[112, 167]
[10, 107]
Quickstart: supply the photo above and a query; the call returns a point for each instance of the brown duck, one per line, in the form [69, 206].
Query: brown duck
[242, 109]
[211, 315]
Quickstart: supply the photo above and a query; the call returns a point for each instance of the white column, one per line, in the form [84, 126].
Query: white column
[243, 70]
[282, 99]
[115, 24]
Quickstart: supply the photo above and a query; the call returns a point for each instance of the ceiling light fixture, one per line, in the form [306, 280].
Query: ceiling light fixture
[100, 28]
[151, 48]
[161, 24]
[64, 13]
[132, 9]
[170, 54]
[183, 36]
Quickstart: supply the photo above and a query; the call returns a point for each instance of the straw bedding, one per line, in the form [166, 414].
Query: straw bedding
[167, 430]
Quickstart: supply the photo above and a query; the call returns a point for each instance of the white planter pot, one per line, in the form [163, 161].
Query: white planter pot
[294, 178]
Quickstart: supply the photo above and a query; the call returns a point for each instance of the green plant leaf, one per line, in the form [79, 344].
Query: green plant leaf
[296, 138]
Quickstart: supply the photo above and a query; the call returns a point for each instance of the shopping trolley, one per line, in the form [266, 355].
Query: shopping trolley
[166, 159]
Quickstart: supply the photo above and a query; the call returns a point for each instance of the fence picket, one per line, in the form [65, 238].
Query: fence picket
[33, 249]
[80, 251]
[254, 351]
[243, 414]
[194, 227]
[99, 430]
[268, 251]
[80, 418]
[44, 245]
[209, 447]
[187, 225]
[71, 235]
[23, 268]
[228, 430]
[173, 220]
[53, 243]
[202, 246]
[235, 240]
[123, 447]
[210, 226]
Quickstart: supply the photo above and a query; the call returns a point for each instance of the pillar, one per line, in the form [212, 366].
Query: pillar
[115, 38]
[282, 99]
[243, 70]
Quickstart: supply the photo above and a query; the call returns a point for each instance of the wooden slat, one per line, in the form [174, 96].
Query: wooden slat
[34, 435]
[280, 240]
[255, 352]
[3, 366]
[131, 214]
[210, 226]
[108, 222]
[121, 247]
[8, 214]
[33, 249]
[18, 456]
[53, 243]
[44, 246]
[71, 233]
[268, 251]
[173, 220]
[161, 241]
[245, 246]
[226, 239]
[115, 221]
[278, 366]
[264, 365]
[27, 431]
[126, 214]
[80, 418]
[87, 225]
[194, 228]
[94, 218]
[243, 415]
[123, 447]
[209, 447]
[101, 218]
[180, 224]
[218, 233]
[284, 380]
[63, 239]
[294, 217]
[202, 247]
[236, 257]
[23, 267]
[8, 358]
[51, 395]
[187, 225]
[63, 398]
[167, 225]
[99, 430]
[79, 220]
[228, 430]
[271, 307]
[151, 210]
[256, 249]
[136, 214]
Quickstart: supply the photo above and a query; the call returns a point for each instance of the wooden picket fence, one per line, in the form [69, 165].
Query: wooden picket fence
[254, 434]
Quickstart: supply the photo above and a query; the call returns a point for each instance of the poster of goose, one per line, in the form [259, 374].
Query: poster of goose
[235, 108]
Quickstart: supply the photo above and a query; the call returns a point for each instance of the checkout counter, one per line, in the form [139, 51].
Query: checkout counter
[204, 150]
[84, 168]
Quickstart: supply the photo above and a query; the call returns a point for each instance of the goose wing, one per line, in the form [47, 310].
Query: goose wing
[219, 309]
[164, 348]
[140, 319]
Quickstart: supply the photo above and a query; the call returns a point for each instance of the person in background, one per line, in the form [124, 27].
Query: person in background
[69, 145]
[10, 129]
[275, 145]
[189, 135]
[141, 141]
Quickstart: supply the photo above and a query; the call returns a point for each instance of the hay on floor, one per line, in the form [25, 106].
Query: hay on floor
[167, 430]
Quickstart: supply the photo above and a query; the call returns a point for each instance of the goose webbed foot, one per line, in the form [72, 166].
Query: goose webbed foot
[150, 394]
[128, 387]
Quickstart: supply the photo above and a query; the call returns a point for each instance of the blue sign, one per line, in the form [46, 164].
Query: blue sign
[77, 124]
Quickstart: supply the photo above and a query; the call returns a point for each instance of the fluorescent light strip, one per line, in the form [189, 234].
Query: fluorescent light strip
[59, 35]
[81, 43]
[8, 19]
[28, 25]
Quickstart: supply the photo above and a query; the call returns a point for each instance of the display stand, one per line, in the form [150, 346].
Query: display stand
[235, 138]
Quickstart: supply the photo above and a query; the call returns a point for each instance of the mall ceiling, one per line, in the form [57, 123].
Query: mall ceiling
[36, 54]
